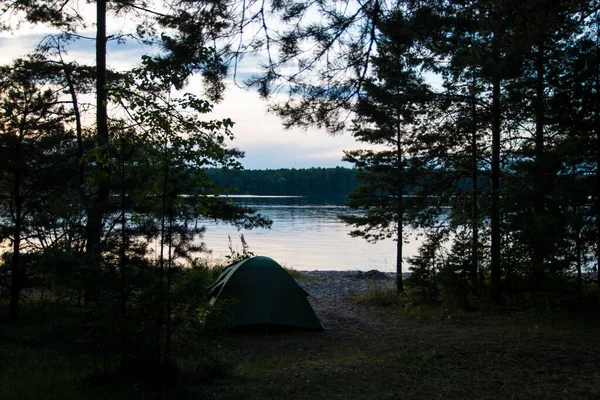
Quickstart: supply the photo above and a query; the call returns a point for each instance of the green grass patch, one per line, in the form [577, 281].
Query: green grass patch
[379, 296]
[411, 352]
[31, 373]
[486, 357]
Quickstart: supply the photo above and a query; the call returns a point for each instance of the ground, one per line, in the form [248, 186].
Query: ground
[383, 353]
[365, 352]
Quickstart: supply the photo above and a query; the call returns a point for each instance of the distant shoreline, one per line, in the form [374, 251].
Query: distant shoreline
[350, 273]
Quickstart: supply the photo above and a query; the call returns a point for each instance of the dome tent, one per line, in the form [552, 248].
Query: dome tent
[264, 293]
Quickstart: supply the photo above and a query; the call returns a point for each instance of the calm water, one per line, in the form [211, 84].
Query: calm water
[307, 235]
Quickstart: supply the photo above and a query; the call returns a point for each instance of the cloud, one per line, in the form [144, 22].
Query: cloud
[18, 46]
[267, 144]
[267, 156]
[260, 134]
[324, 155]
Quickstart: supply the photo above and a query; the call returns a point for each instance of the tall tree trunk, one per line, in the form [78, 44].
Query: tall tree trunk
[578, 251]
[101, 113]
[597, 151]
[399, 281]
[67, 69]
[539, 171]
[495, 192]
[161, 262]
[160, 313]
[15, 265]
[598, 188]
[123, 261]
[598, 214]
[169, 265]
[474, 194]
[400, 211]
[15, 270]
[78, 124]
[96, 208]
[496, 119]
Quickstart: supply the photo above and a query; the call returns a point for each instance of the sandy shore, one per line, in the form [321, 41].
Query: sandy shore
[333, 295]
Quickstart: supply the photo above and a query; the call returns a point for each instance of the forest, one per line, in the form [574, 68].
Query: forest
[480, 122]
[289, 182]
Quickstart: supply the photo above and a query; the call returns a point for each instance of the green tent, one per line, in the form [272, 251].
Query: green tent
[264, 293]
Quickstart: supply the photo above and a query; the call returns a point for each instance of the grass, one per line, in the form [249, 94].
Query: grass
[491, 358]
[426, 353]
[429, 356]
[41, 373]
[379, 296]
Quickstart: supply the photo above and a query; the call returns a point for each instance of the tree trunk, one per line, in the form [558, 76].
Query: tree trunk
[123, 262]
[399, 282]
[400, 211]
[160, 313]
[169, 265]
[15, 270]
[15, 267]
[598, 215]
[78, 124]
[101, 113]
[97, 207]
[598, 191]
[578, 251]
[597, 147]
[539, 171]
[495, 192]
[474, 203]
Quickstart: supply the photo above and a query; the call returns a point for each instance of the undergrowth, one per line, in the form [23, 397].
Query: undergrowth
[412, 303]
[378, 295]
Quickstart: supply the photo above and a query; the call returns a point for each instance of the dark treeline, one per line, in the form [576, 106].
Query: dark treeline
[338, 181]
[292, 182]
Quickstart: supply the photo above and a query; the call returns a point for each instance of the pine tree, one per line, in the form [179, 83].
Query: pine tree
[33, 139]
[184, 33]
[389, 113]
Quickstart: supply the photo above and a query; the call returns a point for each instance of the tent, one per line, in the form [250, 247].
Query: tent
[263, 293]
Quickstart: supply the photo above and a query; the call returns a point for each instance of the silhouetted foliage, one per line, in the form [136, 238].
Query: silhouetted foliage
[85, 205]
[515, 104]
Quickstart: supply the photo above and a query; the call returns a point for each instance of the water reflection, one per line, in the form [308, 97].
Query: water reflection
[307, 235]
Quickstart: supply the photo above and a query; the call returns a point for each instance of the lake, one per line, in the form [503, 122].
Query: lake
[307, 235]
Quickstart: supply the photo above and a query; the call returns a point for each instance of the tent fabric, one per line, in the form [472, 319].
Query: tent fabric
[264, 293]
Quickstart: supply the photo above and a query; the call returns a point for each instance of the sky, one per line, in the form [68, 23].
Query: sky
[267, 145]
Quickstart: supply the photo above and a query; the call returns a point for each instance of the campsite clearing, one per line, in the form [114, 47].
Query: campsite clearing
[365, 352]
[369, 352]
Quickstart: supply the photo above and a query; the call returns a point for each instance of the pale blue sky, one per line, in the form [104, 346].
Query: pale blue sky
[259, 134]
